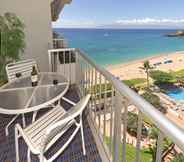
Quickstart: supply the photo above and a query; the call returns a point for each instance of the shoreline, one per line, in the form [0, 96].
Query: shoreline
[131, 69]
[156, 56]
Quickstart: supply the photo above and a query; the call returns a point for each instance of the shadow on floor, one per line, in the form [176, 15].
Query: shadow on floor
[72, 154]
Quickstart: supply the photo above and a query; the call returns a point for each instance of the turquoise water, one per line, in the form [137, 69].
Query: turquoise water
[112, 46]
[177, 93]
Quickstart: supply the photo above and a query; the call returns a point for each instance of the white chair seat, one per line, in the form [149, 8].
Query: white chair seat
[36, 131]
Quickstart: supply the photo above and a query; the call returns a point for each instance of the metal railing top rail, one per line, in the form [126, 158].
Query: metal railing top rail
[55, 39]
[166, 126]
[61, 50]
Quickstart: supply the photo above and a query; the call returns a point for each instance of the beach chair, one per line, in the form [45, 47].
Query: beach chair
[168, 61]
[43, 133]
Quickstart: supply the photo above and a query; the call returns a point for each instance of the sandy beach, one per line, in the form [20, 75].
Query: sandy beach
[132, 69]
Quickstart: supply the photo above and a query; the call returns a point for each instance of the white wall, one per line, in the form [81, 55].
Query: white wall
[36, 15]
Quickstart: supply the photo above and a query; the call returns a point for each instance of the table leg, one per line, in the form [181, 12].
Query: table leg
[6, 129]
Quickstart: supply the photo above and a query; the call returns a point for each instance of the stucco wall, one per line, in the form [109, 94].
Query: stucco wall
[36, 15]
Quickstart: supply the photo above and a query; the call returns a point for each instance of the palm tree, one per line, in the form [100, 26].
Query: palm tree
[167, 144]
[147, 67]
[153, 134]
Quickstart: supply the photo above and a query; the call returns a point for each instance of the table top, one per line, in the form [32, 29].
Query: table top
[20, 97]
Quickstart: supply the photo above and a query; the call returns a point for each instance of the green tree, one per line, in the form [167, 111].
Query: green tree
[12, 40]
[154, 100]
[147, 67]
[161, 77]
[153, 134]
[152, 150]
[178, 158]
[134, 82]
[132, 124]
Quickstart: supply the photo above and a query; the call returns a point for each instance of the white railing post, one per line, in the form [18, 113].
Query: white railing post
[78, 70]
[125, 119]
[112, 118]
[95, 94]
[99, 100]
[159, 147]
[117, 127]
[139, 133]
[105, 108]
[50, 61]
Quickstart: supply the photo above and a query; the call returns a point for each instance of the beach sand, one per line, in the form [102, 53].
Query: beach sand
[132, 69]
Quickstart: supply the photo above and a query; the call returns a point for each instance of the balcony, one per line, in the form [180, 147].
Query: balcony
[71, 154]
[106, 117]
[109, 107]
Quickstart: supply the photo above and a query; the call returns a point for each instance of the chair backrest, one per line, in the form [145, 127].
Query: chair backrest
[23, 68]
[70, 115]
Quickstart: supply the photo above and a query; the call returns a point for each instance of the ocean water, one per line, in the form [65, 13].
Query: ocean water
[115, 46]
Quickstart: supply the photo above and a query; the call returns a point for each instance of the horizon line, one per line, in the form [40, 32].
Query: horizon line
[118, 28]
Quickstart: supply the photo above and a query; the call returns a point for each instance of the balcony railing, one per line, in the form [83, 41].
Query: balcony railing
[59, 43]
[108, 107]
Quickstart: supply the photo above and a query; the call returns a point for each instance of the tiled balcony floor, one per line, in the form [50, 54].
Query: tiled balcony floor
[72, 154]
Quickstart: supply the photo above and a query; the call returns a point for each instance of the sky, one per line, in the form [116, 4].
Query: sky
[122, 14]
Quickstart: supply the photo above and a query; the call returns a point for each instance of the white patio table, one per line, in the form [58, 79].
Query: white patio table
[19, 97]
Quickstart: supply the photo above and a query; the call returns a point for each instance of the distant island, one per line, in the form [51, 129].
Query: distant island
[179, 33]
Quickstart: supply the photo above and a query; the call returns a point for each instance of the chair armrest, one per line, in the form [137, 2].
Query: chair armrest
[23, 134]
[71, 114]
[69, 101]
[65, 119]
[56, 130]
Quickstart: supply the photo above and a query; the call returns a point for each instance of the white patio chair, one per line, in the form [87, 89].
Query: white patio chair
[43, 133]
[23, 68]
[15, 70]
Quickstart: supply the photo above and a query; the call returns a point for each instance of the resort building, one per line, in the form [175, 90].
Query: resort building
[76, 111]
[37, 17]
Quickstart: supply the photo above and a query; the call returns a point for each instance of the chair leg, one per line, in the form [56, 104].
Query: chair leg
[6, 129]
[28, 155]
[17, 144]
[82, 134]
[23, 121]
[34, 116]
[42, 158]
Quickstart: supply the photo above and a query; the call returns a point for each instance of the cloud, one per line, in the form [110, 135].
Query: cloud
[121, 23]
[73, 23]
[150, 21]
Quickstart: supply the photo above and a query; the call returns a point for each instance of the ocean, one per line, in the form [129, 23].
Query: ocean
[116, 46]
